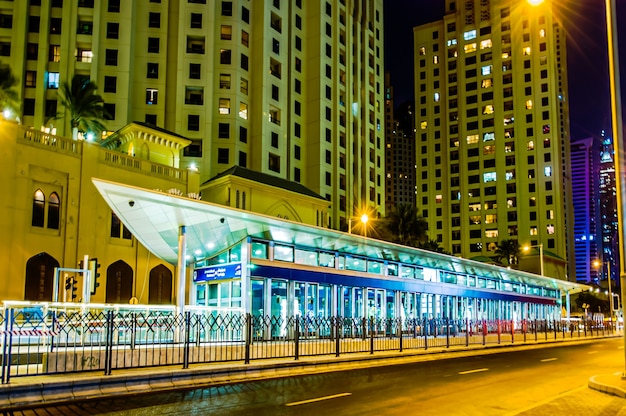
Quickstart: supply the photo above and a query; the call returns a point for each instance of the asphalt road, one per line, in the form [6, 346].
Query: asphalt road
[510, 383]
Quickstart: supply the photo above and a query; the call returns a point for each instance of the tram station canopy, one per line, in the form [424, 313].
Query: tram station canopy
[155, 217]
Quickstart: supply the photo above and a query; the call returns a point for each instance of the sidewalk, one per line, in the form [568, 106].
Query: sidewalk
[604, 395]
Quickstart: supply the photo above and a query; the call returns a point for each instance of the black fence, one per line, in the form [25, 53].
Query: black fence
[53, 341]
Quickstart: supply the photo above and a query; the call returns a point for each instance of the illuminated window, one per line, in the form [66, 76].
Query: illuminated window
[529, 104]
[488, 109]
[506, 54]
[472, 139]
[243, 110]
[491, 219]
[152, 96]
[436, 59]
[437, 97]
[533, 231]
[484, 44]
[226, 32]
[547, 171]
[486, 70]
[526, 50]
[510, 175]
[53, 80]
[424, 125]
[489, 137]
[470, 47]
[438, 199]
[530, 145]
[542, 33]
[39, 203]
[489, 177]
[469, 35]
[491, 233]
[474, 207]
[225, 81]
[451, 42]
[489, 150]
[550, 229]
[486, 83]
[224, 106]
[422, 50]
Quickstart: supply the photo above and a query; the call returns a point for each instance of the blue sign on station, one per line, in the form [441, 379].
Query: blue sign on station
[222, 271]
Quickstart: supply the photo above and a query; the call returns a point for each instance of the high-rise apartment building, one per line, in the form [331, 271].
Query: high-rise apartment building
[586, 167]
[493, 131]
[285, 87]
[399, 150]
[608, 212]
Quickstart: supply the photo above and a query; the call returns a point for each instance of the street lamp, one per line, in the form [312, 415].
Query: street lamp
[540, 247]
[598, 263]
[364, 219]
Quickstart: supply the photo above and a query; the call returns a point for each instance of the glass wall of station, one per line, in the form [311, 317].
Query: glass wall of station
[217, 285]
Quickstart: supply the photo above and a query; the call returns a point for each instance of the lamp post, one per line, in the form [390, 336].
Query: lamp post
[364, 219]
[608, 272]
[540, 247]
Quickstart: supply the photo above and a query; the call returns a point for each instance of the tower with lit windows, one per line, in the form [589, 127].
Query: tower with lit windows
[289, 88]
[493, 131]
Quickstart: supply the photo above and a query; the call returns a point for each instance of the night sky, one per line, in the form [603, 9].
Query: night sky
[585, 23]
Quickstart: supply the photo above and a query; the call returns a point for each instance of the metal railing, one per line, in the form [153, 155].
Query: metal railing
[39, 341]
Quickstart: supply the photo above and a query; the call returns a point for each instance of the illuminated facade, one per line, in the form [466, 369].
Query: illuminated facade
[493, 131]
[399, 151]
[289, 88]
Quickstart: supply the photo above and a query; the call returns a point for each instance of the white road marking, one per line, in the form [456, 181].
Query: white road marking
[319, 399]
[478, 370]
[545, 360]
[592, 352]
[621, 347]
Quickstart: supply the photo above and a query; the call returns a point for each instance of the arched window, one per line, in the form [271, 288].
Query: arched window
[54, 206]
[243, 200]
[39, 203]
[237, 200]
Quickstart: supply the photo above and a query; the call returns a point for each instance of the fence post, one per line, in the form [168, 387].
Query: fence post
[248, 338]
[371, 335]
[108, 348]
[499, 330]
[447, 321]
[555, 328]
[466, 332]
[297, 339]
[424, 330]
[399, 321]
[7, 343]
[186, 340]
[524, 328]
[512, 331]
[133, 325]
[337, 329]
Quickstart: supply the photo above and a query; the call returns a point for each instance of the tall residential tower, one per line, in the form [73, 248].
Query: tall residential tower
[285, 87]
[493, 131]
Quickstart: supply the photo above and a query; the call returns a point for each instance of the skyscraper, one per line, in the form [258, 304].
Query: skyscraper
[285, 87]
[493, 131]
[586, 168]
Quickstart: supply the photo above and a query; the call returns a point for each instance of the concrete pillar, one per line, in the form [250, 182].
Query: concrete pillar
[182, 269]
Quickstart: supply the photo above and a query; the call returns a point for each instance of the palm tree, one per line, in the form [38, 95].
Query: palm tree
[404, 226]
[509, 250]
[86, 108]
[9, 98]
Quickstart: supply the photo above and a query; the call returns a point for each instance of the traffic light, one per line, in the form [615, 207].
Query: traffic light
[70, 284]
[74, 294]
[94, 266]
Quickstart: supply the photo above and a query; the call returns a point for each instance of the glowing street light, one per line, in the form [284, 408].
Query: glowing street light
[540, 247]
[598, 263]
[364, 219]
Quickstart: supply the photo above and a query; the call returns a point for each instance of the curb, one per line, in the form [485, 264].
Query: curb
[597, 385]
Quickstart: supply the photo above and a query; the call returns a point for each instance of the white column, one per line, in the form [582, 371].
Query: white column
[182, 269]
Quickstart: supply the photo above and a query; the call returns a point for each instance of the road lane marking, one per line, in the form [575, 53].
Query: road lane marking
[478, 370]
[592, 352]
[545, 360]
[318, 399]
[621, 347]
